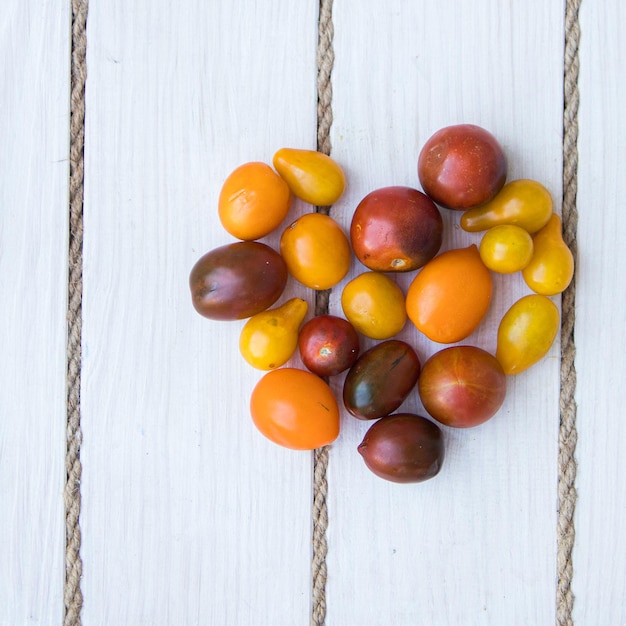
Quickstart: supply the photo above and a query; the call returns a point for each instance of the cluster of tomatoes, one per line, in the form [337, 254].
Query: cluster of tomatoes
[394, 229]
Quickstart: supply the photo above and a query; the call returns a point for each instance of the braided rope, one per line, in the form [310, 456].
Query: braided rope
[325, 61]
[73, 598]
[567, 431]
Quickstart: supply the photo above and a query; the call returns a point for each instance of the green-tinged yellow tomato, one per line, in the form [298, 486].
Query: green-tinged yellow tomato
[269, 339]
[506, 249]
[526, 333]
[551, 268]
[312, 176]
[374, 305]
[525, 203]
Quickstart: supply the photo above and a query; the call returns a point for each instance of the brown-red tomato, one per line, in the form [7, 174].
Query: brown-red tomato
[396, 229]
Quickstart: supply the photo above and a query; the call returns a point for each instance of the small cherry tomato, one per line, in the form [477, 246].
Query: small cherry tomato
[316, 251]
[450, 295]
[269, 339]
[506, 249]
[295, 409]
[312, 176]
[254, 200]
[462, 166]
[526, 333]
[396, 229]
[374, 305]
[525, 203]
[551, 268]
[328, 345]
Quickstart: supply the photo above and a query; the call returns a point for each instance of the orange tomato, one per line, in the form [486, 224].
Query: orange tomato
[450, 295]
[295, 409]
[254, 200]
[316, 251]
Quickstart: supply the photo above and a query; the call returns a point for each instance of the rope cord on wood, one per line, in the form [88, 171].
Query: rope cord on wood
[567, 430]
[72, 595]
[325, 61]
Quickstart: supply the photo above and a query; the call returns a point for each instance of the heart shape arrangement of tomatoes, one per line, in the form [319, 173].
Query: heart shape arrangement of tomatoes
[393, 229]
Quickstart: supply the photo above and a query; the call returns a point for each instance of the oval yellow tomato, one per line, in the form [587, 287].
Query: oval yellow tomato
[374, 305]
[316, 251]
[506, 248]
[526, 333]
[312, 176]
[269, 339]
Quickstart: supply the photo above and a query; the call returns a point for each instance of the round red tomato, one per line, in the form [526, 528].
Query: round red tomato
[396, 229]
[462, 166]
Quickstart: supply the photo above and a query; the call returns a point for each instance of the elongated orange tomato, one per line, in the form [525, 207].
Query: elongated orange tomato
[450, 295]
[295, 409]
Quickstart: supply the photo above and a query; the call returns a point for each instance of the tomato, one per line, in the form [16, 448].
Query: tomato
[525, 203]
[253, 201]
[237, 280]
[462, 386]
[316, 250]
[506, 249]
[551, 268]
[328, 345]
[450, 295]
[403, 448]
[295, 409]
[526, 333]
[462, 166]
[381, 379]
[374, 305]
[269, 339]
[396, 229]
[312, 176]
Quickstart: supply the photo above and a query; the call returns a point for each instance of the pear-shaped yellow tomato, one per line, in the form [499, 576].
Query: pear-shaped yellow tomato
[269, 339]
[316, 251]
[506, 249]
[374, 305]
[526, 333]
[525, 203]
[312, 176]
[551, 268]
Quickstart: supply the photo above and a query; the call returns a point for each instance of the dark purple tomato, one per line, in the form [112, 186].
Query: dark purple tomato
[462, 166]
[381, 379]
[328, 345]
[403, 448]
[396, 229]
[237, 280]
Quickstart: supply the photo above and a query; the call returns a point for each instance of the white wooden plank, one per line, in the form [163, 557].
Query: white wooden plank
[189, 515]
[477, 544]
[34, 100]
[599, 557]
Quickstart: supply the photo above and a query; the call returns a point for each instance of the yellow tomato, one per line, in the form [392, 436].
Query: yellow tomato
[526, 333]
[525, 203]
[269, 339]
[374, 305]
[316, 251]
[551, 268]
[312, 176]
[506, 249]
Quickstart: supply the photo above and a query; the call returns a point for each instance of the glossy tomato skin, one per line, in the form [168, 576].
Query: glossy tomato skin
[396, 229]
[462, 386]
[381, 379]
[462, 166]
[403, 448]
[237, 280]
[328, 345]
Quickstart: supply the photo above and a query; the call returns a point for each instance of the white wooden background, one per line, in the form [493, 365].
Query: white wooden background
[189, 516]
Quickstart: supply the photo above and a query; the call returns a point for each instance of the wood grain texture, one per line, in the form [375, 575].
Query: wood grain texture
[189, 515]
[599, 573]
[34, 101]
[477, 544]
